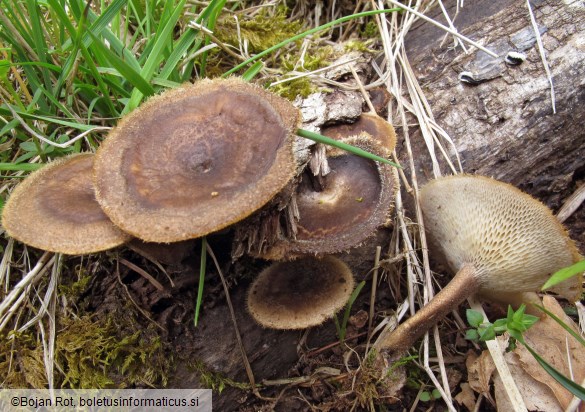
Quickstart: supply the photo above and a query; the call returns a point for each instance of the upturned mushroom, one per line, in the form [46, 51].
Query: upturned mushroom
[301, 293]
[55, 209]
[196, 159]
[342, 210]
[499, 241]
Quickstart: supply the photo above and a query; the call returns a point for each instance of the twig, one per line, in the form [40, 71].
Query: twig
[374, 286]
[501, 365]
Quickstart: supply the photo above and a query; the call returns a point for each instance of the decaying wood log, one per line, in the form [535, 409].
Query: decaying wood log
[505, 127]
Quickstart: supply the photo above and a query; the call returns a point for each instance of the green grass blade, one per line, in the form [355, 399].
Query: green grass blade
[39, 45]
[125, 69]
[564, 274]
[562, 324]
[307, 33]
[180, 48]
[48, 119]
[567, 383]
[162, 39]
[202, 268]
[252, 71]
[344, 146]
[348, 307]
[27, 167]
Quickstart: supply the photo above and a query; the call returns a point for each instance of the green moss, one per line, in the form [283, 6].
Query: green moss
[370, 30]
[89, 353]
[263, 30]
[214, 380]
[290, 90]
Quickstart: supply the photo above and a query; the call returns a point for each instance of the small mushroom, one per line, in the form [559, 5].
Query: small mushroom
[301, 293]
[196, 159]
[345, 208]
[55, 209]
[370, 123]
[500, 241]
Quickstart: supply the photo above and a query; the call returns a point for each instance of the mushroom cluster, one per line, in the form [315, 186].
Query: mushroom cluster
[187, 163]
[199, 158]
[340, 201]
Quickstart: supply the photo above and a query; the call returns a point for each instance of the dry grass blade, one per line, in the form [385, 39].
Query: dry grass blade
[15, 298]
[541, 50]
[403, 85]
[501, 365]
[142, 273]
[572, 204]
[247, 365]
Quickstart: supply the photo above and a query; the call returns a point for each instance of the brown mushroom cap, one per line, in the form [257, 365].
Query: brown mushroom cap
[370, 123]
[300, 293]
[54, 209]
[514, 241]
[356, 199]
[196, 159]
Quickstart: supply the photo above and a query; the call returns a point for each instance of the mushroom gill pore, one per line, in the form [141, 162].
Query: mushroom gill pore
[55, 209]
[342, 209]
[499, 241]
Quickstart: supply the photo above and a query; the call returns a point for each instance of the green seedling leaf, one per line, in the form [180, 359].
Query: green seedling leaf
[486, 333]
[472, 335]
[350, 302]
[500, 325]
[344, 146]
[564, 274]
[474, 318]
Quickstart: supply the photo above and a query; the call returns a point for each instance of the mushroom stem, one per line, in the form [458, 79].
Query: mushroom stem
[464, 284]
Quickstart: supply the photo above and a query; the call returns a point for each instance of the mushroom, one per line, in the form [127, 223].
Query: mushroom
[301, 293]
[55, 209]
[382, 131]
[356, 199]
[196, 159]
[500, 241]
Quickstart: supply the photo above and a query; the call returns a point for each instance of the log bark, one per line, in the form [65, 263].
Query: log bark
[505, 127]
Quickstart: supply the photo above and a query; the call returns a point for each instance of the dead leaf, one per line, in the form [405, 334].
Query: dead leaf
[556, 346]
[466, 397]
[479, 370]
[537, 396]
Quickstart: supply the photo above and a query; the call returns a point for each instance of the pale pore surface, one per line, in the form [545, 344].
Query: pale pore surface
[300, 293]
[513, 240]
